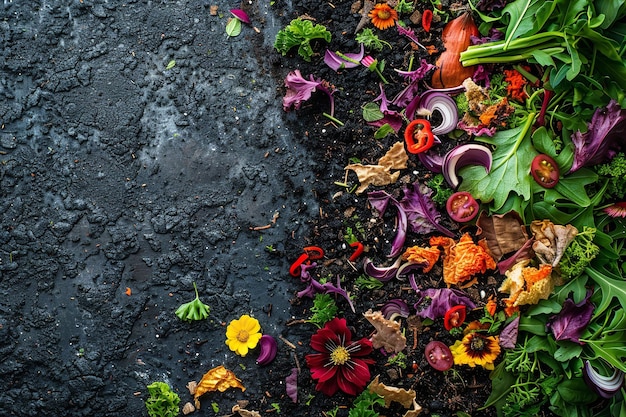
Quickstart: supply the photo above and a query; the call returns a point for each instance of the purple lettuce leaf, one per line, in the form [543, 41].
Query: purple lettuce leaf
[299, 90]
[409, 33]
[571, 321]
[379, 200]
[337, 61]
[419, 73]
[603, 139]
[291, 385]
[391, 117]
[421, 211]
[314, 286]
[508, 335]
[441, 300]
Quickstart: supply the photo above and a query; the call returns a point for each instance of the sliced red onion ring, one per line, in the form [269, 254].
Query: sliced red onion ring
[383, 274]
[604, 386]
[435, 101]
[394, 308]
[463, 155]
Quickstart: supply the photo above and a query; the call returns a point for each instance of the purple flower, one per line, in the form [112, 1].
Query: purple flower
[299, 89]
[603, 139]
[572, 319]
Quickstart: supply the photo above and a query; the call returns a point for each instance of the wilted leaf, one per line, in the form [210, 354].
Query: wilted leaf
[217, 379]
[393, 394]
[504, 233]
[381, 174]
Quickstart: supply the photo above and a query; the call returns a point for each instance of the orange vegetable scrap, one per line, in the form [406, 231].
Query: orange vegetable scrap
[464, 259]
[526, 284]
[217, 379]
[383, 16]
[128, 291]
[423, 256]
[516, 83]
[491, 306]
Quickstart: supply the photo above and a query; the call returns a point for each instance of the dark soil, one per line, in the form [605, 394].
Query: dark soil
[118, 173]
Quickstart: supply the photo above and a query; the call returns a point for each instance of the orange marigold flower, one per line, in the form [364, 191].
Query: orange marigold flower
[423, 256]
[516, 83]
[383, 16]
[464, 259]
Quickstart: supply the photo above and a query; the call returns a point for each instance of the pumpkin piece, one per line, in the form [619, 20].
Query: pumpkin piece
[456, 38]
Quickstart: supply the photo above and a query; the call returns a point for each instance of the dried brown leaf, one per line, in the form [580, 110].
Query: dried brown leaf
[388, 334]
[380, 174]
[393, 394]
[503, 233]
[551, 240]
[217, 379]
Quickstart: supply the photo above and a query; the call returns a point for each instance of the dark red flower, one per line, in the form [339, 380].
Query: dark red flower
[341, 363]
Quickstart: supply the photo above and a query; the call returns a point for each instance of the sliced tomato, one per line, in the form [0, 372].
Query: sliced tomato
[439, 356]
[462, 207]
[454, 317]
[545, 171]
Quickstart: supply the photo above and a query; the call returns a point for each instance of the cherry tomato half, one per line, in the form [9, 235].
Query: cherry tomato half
[439, 356]
[545, 171]
[462, 207]
[454, 317]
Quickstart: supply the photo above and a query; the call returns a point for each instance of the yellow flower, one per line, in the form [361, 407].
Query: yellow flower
[476, 349]
[243, 334]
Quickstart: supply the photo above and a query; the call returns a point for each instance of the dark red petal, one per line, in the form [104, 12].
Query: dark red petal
[324, 374]
[317, 360]
[328, 387]
[357, 372]
[365, 348]
[340, 328]
[319, 339]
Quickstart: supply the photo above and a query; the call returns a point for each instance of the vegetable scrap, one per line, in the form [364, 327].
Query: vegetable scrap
[162, 401]
[193, 310]
[526, 284]
[464, 259]
[388, 334]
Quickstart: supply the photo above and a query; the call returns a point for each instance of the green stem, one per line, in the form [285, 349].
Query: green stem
[505, 59]
[491, 48]
[332, 118]
[529, 123]
[346, 58]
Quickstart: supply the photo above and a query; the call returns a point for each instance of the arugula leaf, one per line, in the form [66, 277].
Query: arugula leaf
[611, 286]
[608, 340]
[510, 171]
[527, 17]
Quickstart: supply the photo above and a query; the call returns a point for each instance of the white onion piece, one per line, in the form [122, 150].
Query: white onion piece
[463, 155]
[434, 101]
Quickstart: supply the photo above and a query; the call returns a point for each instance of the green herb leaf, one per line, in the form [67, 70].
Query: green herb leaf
[510, 171]
[170, 65]
[300, 33]
[233, 27]
[371, 112]
[193, 310]
[383, 131]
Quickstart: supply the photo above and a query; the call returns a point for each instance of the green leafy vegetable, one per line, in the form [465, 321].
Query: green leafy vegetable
[363, 405]
[579, 254]
[162, 402]
[193, 310]
[233, 27]
[615, 171]
[324, 309]
[371, 112]
[368, 38]
[510, 170]
[300, 33]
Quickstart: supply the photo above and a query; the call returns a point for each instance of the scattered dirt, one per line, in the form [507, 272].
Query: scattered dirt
[117, 173]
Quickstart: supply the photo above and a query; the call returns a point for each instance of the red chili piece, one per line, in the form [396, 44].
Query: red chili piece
[419, 136]
[295, 269]
[314, 252]
[357, 252]
[454, 317]
[427, 19]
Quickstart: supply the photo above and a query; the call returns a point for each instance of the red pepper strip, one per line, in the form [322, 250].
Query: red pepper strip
[454, 317]
[419, 136]
[294, 270]
[357, 252]
[427, 19]
[314, 252]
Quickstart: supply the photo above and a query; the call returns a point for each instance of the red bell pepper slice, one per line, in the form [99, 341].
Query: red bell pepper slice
[454, 317]
[418, 136]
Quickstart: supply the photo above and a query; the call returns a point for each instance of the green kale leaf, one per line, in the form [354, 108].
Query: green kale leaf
[300, 33]
[162, 402]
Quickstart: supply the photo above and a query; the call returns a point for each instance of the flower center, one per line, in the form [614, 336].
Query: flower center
[477, 344]
[243, 336]
[384, 14]
[340, 355]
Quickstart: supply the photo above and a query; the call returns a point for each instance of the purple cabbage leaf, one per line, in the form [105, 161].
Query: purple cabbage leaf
[299, 90]
[571, 321]
[433, 303]
[422, 214]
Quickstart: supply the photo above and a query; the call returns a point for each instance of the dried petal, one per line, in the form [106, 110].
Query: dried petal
[217, 379]
[388, 334]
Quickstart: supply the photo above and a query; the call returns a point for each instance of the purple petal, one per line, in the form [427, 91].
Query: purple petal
[571, 321]
[241, 15]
